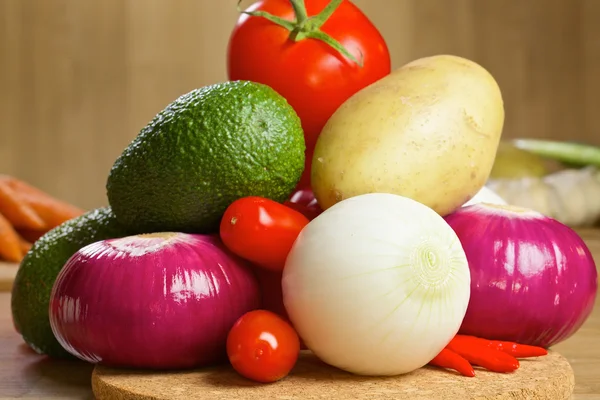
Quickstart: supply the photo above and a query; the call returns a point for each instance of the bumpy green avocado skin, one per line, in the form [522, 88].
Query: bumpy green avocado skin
[206, 149]
[40, 267]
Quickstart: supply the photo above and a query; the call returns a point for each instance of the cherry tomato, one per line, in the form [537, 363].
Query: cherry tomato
[262, 346]
[272, 294]
[313, 76]
[261, 230]
[303, 200]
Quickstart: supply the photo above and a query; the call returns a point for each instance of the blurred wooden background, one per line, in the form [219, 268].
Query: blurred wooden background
[80, 78]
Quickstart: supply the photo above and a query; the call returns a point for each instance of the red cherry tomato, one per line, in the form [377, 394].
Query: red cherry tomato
[313, 76]
[272, 294]
[261, 230]
[262, 346]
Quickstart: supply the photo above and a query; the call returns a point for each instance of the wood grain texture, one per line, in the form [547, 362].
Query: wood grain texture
[27, 375]
[79, 79]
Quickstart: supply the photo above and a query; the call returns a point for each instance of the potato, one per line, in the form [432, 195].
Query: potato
[428, 131]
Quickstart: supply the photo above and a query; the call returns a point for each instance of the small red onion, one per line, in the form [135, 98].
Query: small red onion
[533, 279]
[304, 201]
[156, 301]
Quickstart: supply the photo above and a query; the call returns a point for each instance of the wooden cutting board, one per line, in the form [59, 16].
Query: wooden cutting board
[549, 377]
[8, 271]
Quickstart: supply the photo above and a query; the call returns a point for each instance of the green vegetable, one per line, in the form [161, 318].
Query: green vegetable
[206, 149]
[40, 267]
[567, 152]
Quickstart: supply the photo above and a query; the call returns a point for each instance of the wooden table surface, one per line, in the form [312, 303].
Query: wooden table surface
[26, 375]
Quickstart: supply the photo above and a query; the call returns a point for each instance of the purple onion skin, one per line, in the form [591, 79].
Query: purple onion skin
[533, 279]
[167, 309]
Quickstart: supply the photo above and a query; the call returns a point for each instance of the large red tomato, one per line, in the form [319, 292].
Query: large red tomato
[304, 61]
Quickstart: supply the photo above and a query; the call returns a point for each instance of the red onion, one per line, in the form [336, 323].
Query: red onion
[304, 201]
[533, 279]
[156, 301]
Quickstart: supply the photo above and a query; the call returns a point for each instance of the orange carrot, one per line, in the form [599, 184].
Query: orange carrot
[17, 212]
[52, 211]
[10, 247]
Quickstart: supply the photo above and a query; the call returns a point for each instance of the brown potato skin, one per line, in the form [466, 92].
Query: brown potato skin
[428, 131]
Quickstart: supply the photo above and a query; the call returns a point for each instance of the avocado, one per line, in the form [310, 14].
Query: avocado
[206, 149]
[40, 267]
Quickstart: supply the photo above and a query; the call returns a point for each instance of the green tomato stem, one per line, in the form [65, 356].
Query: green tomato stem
[289, 25]
[300, 10]
[305, 27]
[317, 22]
[572, 153]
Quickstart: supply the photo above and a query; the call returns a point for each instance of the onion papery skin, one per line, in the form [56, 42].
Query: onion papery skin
[376, 285]
[533, 279]
[155, 301]
[485, 195]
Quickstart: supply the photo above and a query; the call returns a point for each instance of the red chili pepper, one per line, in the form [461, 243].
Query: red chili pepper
[449, 359]
[493, 355]
[476, 352]
[512, 348]
[518, 350]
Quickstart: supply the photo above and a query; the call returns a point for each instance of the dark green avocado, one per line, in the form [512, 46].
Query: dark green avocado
[206, 149]
[40, 267]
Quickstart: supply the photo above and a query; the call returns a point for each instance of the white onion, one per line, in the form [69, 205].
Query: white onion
[485, 195]
[377, 284]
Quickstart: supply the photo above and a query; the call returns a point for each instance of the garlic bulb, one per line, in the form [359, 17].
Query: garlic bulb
[485, 195]
[571, 196]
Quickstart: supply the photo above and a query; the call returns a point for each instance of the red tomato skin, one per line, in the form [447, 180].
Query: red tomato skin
[314, 78]
[261, 230]
[262, 346]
